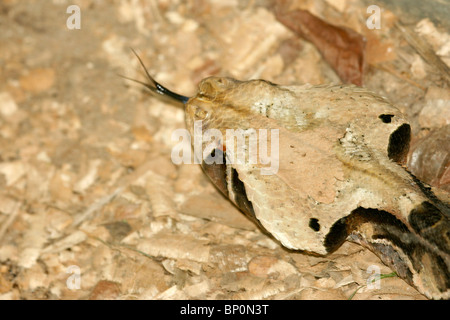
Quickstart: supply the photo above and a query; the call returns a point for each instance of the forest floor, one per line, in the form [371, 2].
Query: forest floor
[88, 190]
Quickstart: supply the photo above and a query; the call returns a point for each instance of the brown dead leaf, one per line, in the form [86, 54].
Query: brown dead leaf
[423, 48]
[105, 290]
[378, 50]
[289, 50]
[260, 266]
[215, 208]
[5, 284]
[38, 80]
[342, 48]
[429, 158]
[129, 158]
[141, 133]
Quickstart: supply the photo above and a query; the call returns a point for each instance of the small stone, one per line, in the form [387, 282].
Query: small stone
[7, 104]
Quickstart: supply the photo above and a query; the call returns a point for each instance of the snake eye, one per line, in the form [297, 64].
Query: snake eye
[386, 118]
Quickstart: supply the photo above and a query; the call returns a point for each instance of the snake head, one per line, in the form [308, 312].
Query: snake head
[339, 151]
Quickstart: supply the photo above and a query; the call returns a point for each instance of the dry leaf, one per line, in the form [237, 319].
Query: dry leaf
[38, 80]
[341, 47]
[429, 158]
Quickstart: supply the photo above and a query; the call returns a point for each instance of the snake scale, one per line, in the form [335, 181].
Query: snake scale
[339, 174]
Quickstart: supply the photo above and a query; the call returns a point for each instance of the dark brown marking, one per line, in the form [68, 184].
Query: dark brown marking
[442, 206]
[430, 223]
[240, 195]
[337, 235]
[242, 202]
[217, 172]
[314, 224]
[421, 250]
[399, 143]
[424, 216]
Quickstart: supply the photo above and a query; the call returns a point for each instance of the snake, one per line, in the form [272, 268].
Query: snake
[340, 174]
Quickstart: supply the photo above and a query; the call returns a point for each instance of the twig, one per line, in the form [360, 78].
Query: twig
[423, 49]
[398, 75]
[123, 184]
[10, 220]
